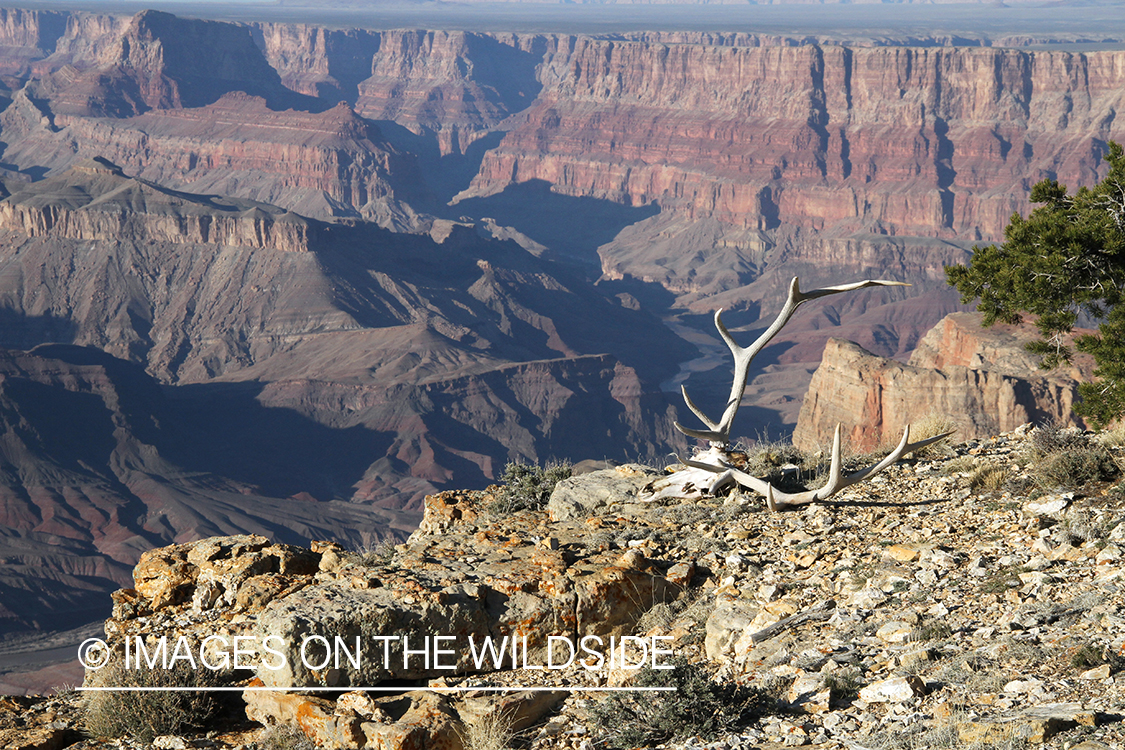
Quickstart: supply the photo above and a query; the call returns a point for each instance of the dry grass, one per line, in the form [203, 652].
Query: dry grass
[1113, 437]
[149, 714]
[492, 731]
[929, 426]
[989, 478]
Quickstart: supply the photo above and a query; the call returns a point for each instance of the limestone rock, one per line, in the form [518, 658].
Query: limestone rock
[876, 398]
[893, 690]
[582, 496]
[1036, 725]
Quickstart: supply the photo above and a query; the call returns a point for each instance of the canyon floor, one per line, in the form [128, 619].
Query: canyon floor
[964, 600]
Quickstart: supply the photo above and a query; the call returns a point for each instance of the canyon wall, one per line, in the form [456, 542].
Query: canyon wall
[144, 212]
[318, 164]
[982, 379]
[928, 142]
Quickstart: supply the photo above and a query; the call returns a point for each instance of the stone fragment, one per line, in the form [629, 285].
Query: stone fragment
[893, 690]
[1016, 687]
[1036, 578]
[170, 742]
[425, 720]
[867, 598]
[1109, 553]
[1035, 725]
[1097, 673]
[895, 631]
[582, 496]
[680, 574]
[903, 552]
[520, 709]
[725, 624]
[808, 694]
[1047, 507]
[315, 717]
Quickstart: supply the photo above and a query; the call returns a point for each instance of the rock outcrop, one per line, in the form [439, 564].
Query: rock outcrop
[848, 613]
[317, 164]
[984, 380]
[96, 201]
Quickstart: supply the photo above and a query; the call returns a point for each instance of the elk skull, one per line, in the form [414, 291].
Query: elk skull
[712, 470]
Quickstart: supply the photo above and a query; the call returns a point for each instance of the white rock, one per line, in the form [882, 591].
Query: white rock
[170, 742]
[893, 690]
[867, 598]
[1017, 687]
[1036, 578]
[1048, 507]
[1097, 673]
[895, 631]
[1109, 553]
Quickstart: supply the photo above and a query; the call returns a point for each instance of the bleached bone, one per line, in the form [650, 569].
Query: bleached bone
[718, 433]
[711, 470]
[776, 499]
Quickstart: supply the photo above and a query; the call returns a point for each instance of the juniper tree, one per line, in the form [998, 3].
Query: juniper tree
[1065, 259]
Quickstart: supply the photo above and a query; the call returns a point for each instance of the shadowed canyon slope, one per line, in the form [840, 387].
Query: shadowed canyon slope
[358, 264]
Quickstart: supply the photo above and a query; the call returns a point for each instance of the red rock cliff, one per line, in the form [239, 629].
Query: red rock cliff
[983, 379]
[932, 142]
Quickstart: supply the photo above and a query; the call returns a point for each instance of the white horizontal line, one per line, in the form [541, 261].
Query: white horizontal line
[346, 688]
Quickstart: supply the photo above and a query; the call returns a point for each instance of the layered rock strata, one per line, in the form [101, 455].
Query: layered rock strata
[319, 164]
[96, 201]
[925, 142]
[984, 380]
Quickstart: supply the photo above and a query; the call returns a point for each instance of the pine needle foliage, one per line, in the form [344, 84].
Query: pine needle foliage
[1067, 258]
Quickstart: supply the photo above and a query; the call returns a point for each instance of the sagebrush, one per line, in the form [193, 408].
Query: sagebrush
[696, 707]
[528, 487]
[149, 714]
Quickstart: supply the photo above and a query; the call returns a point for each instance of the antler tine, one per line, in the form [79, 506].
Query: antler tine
[696, 410]
[837, 483]
[719, 432]
[776, 499]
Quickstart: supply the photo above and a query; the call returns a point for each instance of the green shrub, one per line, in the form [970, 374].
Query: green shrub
[1077, 467]
[527, 487]
[698, 706]
[144, 715]
[1090, 655]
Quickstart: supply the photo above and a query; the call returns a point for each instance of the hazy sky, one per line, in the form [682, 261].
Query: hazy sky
[1096, 22]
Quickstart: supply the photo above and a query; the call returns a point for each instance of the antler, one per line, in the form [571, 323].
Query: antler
[711, 470]
[776, 499]
[718, 433]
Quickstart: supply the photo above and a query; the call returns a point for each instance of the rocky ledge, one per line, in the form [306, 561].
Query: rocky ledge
[968, 599]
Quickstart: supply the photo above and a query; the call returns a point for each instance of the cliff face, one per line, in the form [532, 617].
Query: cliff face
[95, 201]
[319, 164]
[927, 142]
[456, 84]
[152, 62]
[983, 379]
[320, 62]
[26, 36]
